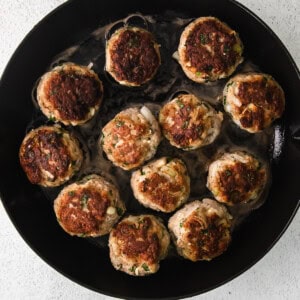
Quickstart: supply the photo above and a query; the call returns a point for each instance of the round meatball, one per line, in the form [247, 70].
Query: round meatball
[162, 185]
[88, 208]
[189, 123]
[132, 56]
[253, 100]
[209, 50]
[137, 244]
[236, 178]
[70, 94]
[201, 230]
[50, 156]
[131, 137]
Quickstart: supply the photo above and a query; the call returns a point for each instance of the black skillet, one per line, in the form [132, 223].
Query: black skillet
[80, 260]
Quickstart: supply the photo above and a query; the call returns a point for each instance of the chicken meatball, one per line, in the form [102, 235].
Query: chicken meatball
[189, 123]
[253, 100]
[201, 230]
[132, 56]
[209, 50]
[70, 94]
[236, 177]
[50, 156]
[162, 185]
[131, 137]
[88, 208]
[137, 244]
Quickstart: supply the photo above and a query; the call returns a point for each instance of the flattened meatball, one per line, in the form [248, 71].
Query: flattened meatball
[89, 208]
[236, 177]
[137, 244]
[131, 137]
[70, 94]
[209, 50]
[132, 56]
[50, 156]
[189, 123]
[253, 100]
[201, 230]
[162, 185]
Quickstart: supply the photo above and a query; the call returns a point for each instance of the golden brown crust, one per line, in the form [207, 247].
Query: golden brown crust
[209, 50]
[189, 123]
[132, 56]
[254, 100]
[138, 239]
[236, 178]
[50, 156]
[89, 207]
[70, 94]
[130, 139]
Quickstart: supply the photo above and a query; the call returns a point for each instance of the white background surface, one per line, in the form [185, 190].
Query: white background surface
[23, 275]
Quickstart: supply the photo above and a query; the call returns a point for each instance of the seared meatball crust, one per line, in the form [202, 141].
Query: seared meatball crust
[201, 230]
[50, 156]
[209, 50]
[254, 100]
[162, 185]
[237, 177]
[189, 122]
[137, 244]
[89, 208]
[132, 56]
[131, 137]
[70, 94]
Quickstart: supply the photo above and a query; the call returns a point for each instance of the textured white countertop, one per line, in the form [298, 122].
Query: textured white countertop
[24, 275]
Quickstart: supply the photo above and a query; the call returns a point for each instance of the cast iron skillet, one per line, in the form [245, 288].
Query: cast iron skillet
[83, 262]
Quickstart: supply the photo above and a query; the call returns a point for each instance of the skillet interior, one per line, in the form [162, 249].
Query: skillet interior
[83, 262]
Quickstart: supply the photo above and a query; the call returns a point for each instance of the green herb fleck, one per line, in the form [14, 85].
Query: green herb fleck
[169, 159]
[185, 124]
[181, 223]
[83, 200]
[142, 172]
[228, 173]
[145, 267]
[205, 231]
[119, 123]
[180, 104]
[209, 68]
[203, 38]
[52, 119]
[224, 100]
[226, 48]
[119, 211]
[82, 235]
[71, 193]
[132, 269]
[198, 74]
[237, 48]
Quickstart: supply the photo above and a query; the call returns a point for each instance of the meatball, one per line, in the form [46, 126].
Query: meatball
[70, 94]
[201, 230]
[253, 100]
[50, 156]
[236, 177]
[189, 123]
[131, 137]
[162, 185]
[209, 50]
[137, 244]
[88, 208]
[132, 56]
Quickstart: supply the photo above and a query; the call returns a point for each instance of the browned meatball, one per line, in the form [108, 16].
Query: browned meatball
[132, 56]
[253, 100]
[209, 50]
[189, 123]
[50, 156]
[162, 185]
[70, 94]
[201, 230]
[236, 177]
[137, 244]
[89, 207]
